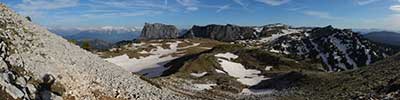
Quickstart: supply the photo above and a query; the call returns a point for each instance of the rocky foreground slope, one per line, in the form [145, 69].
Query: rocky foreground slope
[37, 64]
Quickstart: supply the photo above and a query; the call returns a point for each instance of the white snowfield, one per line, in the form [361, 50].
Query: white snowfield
[150, 66]
[248, 77]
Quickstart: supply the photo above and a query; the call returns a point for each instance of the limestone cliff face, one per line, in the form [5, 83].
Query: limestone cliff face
[159, 31]
[221, 32]
[37, 64]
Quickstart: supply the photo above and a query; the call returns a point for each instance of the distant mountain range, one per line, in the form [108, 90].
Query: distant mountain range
[107, 33]
[95, 44]
[366, 31]
[386, 37]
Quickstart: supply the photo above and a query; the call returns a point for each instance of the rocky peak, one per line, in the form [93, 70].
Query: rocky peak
[37, 64]
[159, 31]
[227, 32]
[337, 49]
[277, 25]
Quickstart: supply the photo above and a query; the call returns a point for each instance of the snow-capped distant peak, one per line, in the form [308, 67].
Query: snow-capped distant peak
[101, 29]
[117, 28]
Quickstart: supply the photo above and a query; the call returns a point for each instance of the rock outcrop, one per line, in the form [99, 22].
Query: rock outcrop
[269, 30]
[37, 64]
[222, 32]
[159, 31]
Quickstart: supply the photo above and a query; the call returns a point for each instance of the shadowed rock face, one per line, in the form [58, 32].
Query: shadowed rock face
[159, 31]
[221, 32]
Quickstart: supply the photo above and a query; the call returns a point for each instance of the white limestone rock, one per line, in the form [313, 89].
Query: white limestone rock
[40, 52]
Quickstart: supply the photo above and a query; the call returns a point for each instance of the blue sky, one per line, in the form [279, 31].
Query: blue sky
[382, 14]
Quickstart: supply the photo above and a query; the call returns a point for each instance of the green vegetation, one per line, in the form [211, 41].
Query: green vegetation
[249, 57]
[374, 81]
[28, 18]
[86, 45]
[73, 41]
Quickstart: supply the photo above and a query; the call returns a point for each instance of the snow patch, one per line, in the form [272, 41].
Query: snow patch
[193, 45]
[259, 29]
[220, 71]
[257, 91]
[149, 66]
[343, 48]
[276, 36]
[143, 52]
[200, 87]
[321, 55]
[227, 55]
[274, 51]
[198, 74]
[268, 68]
[137, 44]
[245, 76]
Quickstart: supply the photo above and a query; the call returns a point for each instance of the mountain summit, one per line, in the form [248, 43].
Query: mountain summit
[159, 31]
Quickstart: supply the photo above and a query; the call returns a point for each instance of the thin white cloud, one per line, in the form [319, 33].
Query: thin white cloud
[395, 8]
[296, 9]
[390, 22]
[319, 14]
[123, 8]
[240, 2]
[192, 8]
[222, 8]
[130, 4]
[393, 21]
[38, 8]
[191, 5]
[46, 4]
[365, 2]
[188, 2]
[166, 3]
[122, 14]
[274, 2]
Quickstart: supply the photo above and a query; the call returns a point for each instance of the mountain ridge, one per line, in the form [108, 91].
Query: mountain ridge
[386, 37]
[106, 33]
